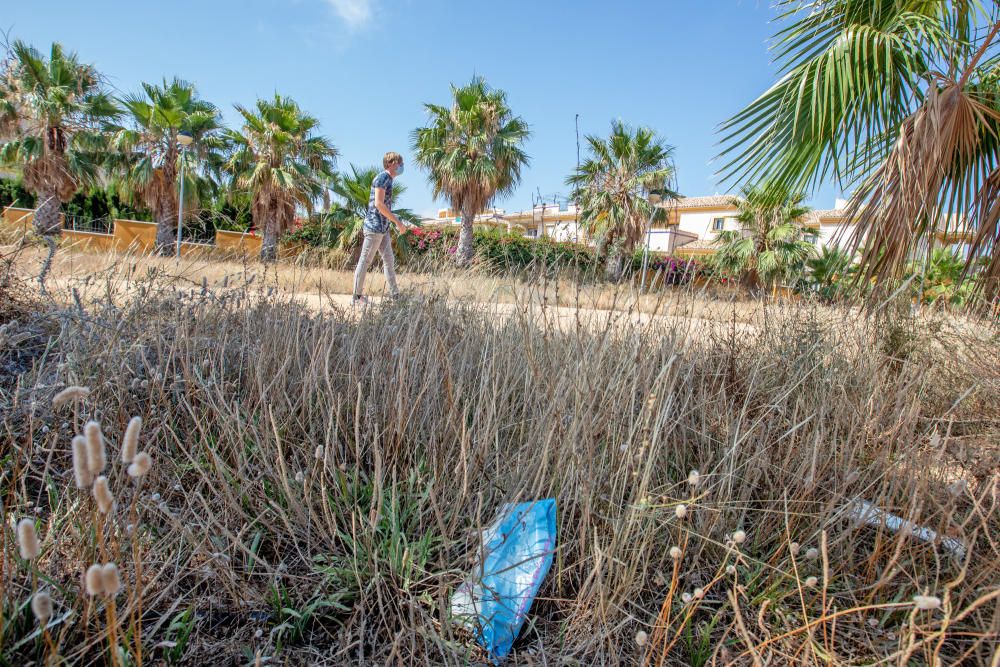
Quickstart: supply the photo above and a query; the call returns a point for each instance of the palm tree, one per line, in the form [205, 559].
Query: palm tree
[942, 278]
[769, 247]
[146, 154]
[473, 153]
[354, 190]
[52, 112]
[612, 185]
[829, 271]
[281, 162]
[900, 99]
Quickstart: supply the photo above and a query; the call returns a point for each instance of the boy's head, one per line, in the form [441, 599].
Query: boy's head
[393, 162]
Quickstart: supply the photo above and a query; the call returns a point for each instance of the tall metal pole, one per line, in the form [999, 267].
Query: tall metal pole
[180, 204]
[576, 204]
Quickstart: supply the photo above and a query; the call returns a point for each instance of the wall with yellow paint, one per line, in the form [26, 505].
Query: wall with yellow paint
[135, 235]
[18, 216]
[237, 243]
[89, 241]
[140, 237]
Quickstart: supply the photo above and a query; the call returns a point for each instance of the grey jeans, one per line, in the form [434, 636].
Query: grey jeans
[383, 244]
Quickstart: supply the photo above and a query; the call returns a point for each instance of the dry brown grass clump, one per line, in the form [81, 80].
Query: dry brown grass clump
[321, 478]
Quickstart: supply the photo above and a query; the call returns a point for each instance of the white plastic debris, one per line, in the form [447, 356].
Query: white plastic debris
[867, 513]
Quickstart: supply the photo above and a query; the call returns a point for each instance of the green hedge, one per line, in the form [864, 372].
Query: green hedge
[12, 193]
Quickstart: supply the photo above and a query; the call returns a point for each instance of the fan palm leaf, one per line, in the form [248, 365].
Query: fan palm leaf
[898, 98]
[612, 185]
[53, 110]
[473, 152]
[147, 160]
[280, 162]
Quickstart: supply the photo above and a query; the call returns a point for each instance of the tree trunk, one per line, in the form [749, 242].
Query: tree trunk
[46, 220]
[166, 234]
[269, 247]
[463, 256]
[613, 265]
[751, 281]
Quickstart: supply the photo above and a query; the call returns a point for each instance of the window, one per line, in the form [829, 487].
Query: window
[718, 224]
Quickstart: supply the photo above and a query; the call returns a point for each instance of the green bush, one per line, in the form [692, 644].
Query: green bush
[12, 193]
[97, 203]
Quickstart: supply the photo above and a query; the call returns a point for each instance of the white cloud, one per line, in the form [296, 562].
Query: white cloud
[356, 13]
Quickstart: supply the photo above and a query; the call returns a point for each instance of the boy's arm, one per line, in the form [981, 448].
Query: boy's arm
[384, 210]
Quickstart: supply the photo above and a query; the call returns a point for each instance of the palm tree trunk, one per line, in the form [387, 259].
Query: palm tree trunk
[751, 280]
[463, 256]
[269, 247]
[166, 233]
[613, 265]
[46, 219]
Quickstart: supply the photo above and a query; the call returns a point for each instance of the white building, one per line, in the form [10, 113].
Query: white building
[691, 228]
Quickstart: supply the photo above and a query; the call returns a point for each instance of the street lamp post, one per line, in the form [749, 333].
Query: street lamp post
[184, 139]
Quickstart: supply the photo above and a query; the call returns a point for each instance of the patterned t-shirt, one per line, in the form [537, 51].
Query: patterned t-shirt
[375, 221]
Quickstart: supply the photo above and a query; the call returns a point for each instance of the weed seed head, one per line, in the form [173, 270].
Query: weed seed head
[699, 593]
[102, 494]
[110, 580]
[81, 468]
[130, 443]
[68, 395]
[926, 602]
[27, 539]
[94, 580]
[97, 457]
[811, 582]
[675, 553]
[41, 607]
[320, 451]
[140, 465]
[641, 638]
[739, 537]
[686, 597]
[681, 511]
[812, 554]
[693, 478]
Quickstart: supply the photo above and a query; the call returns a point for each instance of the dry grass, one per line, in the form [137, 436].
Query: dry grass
[308, 276]
[244, 547]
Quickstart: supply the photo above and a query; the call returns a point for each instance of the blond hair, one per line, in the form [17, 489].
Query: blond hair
[392, 157]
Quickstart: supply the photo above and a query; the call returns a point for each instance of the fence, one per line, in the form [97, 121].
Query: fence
[78, 223]
[105, 234]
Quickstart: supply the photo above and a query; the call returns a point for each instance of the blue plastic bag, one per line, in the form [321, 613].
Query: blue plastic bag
[516, 555]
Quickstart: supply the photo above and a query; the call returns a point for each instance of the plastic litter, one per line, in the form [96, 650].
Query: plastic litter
[867, 513]
[516, 555]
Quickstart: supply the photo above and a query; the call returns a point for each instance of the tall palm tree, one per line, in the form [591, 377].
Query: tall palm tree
[52, 113]
[354, 190]
[473, 151]
[899, 98]
[280, 161]
[770, 245]
[147, 157]
[612, 185]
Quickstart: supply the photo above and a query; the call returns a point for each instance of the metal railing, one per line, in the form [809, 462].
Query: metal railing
[200, 234]
[78, 223]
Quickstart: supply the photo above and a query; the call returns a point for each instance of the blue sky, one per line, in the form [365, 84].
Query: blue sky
[365, 67]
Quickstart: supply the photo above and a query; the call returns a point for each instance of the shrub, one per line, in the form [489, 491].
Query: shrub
[669, 270]
[12, 193]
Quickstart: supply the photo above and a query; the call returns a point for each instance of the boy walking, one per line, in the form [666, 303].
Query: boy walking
[376, 228]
